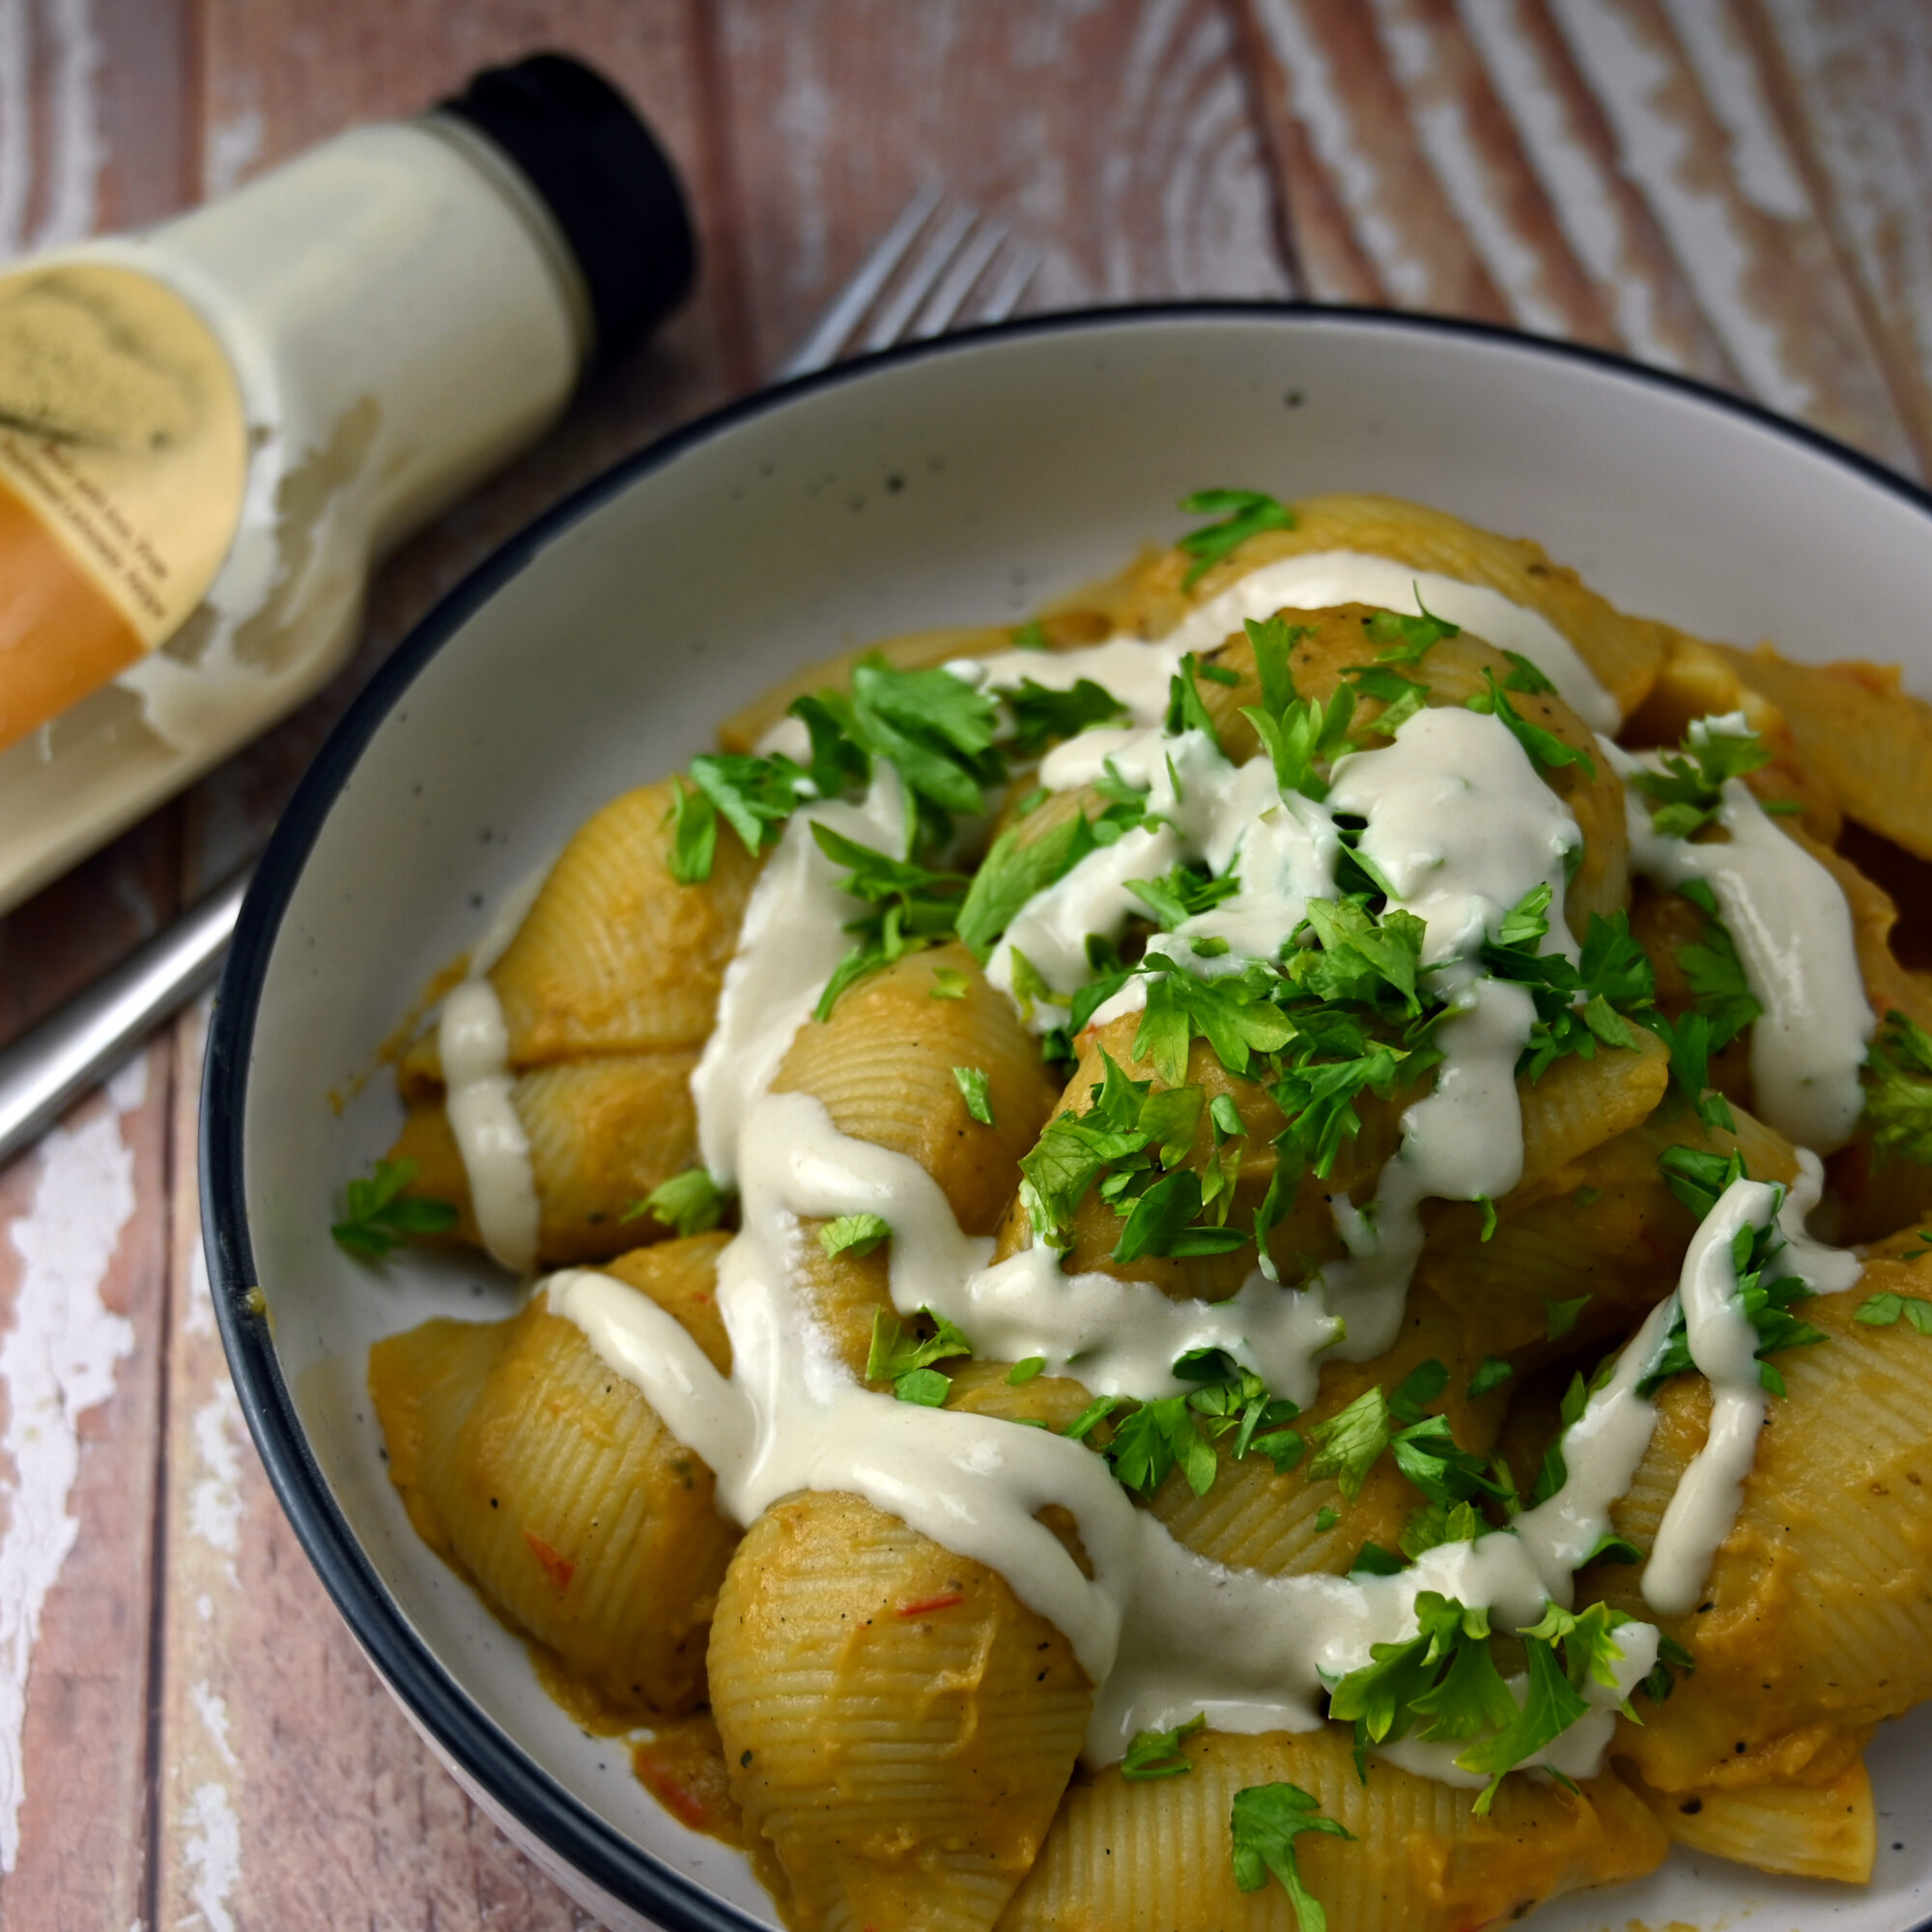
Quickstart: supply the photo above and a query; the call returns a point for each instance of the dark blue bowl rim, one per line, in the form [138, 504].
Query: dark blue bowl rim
[506, 1774]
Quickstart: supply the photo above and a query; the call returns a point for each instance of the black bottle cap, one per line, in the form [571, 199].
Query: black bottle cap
[601, 172]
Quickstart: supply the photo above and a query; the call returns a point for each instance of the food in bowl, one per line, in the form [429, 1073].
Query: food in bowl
[1244, 1255]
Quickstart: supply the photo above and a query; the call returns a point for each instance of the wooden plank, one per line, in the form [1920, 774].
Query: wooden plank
[1852, 91]
[1345, 140]
[293, 1791]
[1679, 87]
[1474, 152]
[1119, 137]
[1571, 146]
[82, 1276]
[90, 134]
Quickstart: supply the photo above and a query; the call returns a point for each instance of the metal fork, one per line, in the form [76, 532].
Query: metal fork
[920, 280]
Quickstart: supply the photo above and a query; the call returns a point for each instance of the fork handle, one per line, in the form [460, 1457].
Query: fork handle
[81, 1042]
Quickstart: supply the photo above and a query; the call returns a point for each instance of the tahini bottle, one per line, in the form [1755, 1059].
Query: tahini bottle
[210, 432]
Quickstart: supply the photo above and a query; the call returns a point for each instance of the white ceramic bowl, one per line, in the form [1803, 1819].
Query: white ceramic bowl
[961, 481]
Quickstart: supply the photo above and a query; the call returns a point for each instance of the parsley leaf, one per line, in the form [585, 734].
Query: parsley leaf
[1409, 639]
[1185, 709]
[687, 1203]
[854, 1235]
[1158, 1755]
[1881, 1311]
[1545, 748]
[895, 1357]
[911, 908]
[1491, 1371]
[1235, 1013]
[1687, 793]
[378, 1218]
[948, 983]
[1401, 697]
[1023, 1372]
[972, 1085]
[1274, 639]
[932, 727]
[1560, 1317]
[1157, 1439]
[1899, 1095]
[1018, 867]
[1304, 736]
[1352, 1441]
[1042, 716]
[1243, 513]
[1526, 678]
[1185, 892]
[1264, 1823]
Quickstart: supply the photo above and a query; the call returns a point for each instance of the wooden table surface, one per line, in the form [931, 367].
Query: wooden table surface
[1741, 189]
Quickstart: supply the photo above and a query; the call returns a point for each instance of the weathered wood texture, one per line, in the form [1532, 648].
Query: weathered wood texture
[1740, 189]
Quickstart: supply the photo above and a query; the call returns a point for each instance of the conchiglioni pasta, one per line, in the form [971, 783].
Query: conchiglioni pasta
[1177, 1259]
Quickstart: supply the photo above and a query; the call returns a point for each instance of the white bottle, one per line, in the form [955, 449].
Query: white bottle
[210, 432]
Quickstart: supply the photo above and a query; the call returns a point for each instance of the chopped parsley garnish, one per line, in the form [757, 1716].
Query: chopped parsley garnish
[1130, 1134]
[972, 1085]
[1545, 748]
[1443, 1683]
[933, 728]
[1883, 1311]
[1157, 1754]
[1042, 716]
[1185, 892]
[1243, 514]
[896, 1358]
[1407, 639]
[1721, 1006]
[1401, 697]
[1699, 1180]
[1560, 1317]
[378, 1218]
[1491, 1373]
[1898, 1091]
[1526, 678]
[1302, 737]
[948, 983]
[1674, 1661]
[1264, 1824]
[1186, 711]
[1354, 1440]
[911, 908]
[1578, 1007]
[1235, 1013]
[1021, 865]
[687, 1203]
[1023, 1372]
[1273, 641]
[1687, 793]
[854, 1235]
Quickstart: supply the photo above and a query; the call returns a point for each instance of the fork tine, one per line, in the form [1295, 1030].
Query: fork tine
[829, 333]
[900, 308]
[959, 281]
[1013, 285]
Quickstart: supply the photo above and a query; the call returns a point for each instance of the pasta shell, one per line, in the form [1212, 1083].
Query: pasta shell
[1868, 739]
[1825, 1830]
[1623, 652]
[617, 956]
[1154, 1856]
[1615, 1232]
[883, 1066]
[1817, 1615]
[898, 1728]
[602, 1133]
[551, 1483]
[841, 1292]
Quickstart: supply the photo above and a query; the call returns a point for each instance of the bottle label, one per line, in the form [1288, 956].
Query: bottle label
[123, 460]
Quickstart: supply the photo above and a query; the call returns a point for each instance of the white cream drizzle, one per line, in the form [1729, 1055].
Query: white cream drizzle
[1723, 1345]
[1792, 932]
[1460, 823]
[474, 1044]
